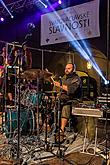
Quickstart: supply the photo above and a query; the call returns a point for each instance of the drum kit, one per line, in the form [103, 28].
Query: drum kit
[35, 114]
[35, 104]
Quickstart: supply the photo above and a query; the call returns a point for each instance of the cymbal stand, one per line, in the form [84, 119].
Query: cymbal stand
[3, 100]
[15, 72]
[46, 147]
[55, 117]
[57, 120]
[18, 108]
[59, 152]
[38, 116]
[4, 89]
[37, 110]
[18, 104]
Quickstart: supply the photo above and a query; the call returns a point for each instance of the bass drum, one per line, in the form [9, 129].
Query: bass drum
[27, 122]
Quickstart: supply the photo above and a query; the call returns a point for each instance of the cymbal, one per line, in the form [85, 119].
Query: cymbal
[46, 74]
[33, 74]
[30, 74]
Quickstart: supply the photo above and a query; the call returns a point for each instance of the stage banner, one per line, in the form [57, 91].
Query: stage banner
[73, 23]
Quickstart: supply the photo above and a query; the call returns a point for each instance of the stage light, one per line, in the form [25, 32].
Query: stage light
[106, 82]
[2, 2]
[43, 4]
[12, 16]
[1, 19]
[82, 47]
[89, 65]
[60, 2]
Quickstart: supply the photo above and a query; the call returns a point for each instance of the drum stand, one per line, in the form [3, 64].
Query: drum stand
[38, 117]
[60, 152]
[37, 109]
[38, 120]
[18, 106]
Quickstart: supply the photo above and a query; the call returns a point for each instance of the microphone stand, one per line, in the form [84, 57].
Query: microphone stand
[18, 59]
[18, 119]
[59, 152]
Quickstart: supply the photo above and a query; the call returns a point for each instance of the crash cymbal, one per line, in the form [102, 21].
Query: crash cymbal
[46, 74]
[33, 74]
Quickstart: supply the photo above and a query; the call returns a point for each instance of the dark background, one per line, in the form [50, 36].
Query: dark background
[16, 29]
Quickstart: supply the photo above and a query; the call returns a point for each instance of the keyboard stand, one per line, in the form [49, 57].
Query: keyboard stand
[86, 132]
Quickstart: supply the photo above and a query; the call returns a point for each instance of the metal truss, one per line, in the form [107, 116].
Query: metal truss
[18, 6]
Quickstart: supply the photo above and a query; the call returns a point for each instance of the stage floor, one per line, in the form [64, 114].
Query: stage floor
[34, 151]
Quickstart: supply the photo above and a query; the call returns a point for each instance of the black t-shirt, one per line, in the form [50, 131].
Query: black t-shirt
[74, 86]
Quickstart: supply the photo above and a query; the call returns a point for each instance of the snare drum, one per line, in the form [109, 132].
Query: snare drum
[27, 122]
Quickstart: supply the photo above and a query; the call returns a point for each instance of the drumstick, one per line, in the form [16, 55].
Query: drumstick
[52, 79]
[51, 76]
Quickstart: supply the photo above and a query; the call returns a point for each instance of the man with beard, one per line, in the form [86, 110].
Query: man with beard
[70, 88]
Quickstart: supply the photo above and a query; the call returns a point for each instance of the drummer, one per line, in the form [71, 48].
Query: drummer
[70, 86]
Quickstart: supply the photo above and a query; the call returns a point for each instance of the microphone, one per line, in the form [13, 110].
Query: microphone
[60, 79]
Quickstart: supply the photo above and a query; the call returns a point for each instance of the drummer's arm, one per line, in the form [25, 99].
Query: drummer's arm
[64, 87]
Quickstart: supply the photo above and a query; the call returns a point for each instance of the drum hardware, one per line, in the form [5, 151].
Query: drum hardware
[60, 152]
[51, 92]
[5, 83]
[33, 74]
[35, 96]
[37, 92]
[27, 122]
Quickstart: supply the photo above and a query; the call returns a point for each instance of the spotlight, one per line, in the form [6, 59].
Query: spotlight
[2, 2]
[43, 4]
[89, 65]
[12, 16]
[60, 2]
[46, 6]
[106, 82]
[1, 19]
